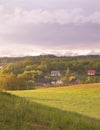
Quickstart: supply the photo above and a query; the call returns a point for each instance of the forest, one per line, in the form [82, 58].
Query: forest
[24, 72]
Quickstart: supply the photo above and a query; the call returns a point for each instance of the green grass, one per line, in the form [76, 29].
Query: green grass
[82, 99]
[74, 108]
[15, 113]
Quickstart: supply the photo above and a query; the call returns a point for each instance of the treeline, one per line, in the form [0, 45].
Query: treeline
[50, 62]
[19, 73]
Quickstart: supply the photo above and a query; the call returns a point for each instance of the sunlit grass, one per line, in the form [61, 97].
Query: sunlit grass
[82, 99]
[18, 114]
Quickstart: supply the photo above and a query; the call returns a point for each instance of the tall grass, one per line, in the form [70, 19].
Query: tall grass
[63, 108]
[15, 113]
[82, 99]
[18, 114]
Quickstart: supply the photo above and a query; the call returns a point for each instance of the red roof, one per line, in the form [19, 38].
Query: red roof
[91, 71]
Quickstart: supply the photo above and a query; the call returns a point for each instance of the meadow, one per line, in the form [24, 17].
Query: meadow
[82, 99]
[61, 108]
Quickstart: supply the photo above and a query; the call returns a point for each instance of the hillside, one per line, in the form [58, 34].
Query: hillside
[48, 70]
[82, 99]
[18, 114]
[63, 108]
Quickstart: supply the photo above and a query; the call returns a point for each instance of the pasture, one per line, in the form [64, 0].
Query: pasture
[61, 108]
[82, 99]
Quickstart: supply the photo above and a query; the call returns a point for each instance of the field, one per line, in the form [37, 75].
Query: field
[83, 99]
[62, 108]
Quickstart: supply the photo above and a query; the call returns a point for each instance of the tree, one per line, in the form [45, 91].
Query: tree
[26, 75]
[11, 82]
[67, 71]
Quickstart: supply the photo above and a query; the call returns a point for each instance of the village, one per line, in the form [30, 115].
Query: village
[49, 71]
[55, 78]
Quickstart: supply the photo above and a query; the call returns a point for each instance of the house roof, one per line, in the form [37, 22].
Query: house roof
[55, 71]
[44, 80]
[91, 71]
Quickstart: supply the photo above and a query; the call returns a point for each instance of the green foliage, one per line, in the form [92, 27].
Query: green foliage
[26, 75]
[31, 68]
[92, 79]
[15, 68]
[67, 71]
[11, 82]
[49, 63]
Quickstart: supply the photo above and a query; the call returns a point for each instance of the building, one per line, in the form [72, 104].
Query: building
[57, 82]
[97, 74]
[43, 81]
[91, 72]
[55, 73]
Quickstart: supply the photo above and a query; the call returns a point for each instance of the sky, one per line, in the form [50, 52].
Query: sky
[59, 27]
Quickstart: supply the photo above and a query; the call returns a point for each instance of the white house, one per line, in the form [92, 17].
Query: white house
[55, 73]
[58, 82]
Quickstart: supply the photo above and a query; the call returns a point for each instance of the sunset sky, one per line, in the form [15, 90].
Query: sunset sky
[60, 27]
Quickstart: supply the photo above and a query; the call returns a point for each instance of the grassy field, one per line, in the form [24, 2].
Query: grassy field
[83, 99]
[15, 113]
[63, 108]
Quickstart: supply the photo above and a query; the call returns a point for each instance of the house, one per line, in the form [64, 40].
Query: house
[91, 72]
[57, 82]
[55, 73]
[43, 81]
[97, 74]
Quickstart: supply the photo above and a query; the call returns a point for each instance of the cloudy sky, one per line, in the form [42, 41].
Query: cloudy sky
[61, 27]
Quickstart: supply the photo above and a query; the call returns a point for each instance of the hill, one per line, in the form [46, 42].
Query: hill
[48, 70]
[82, 99]
[60, 108]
